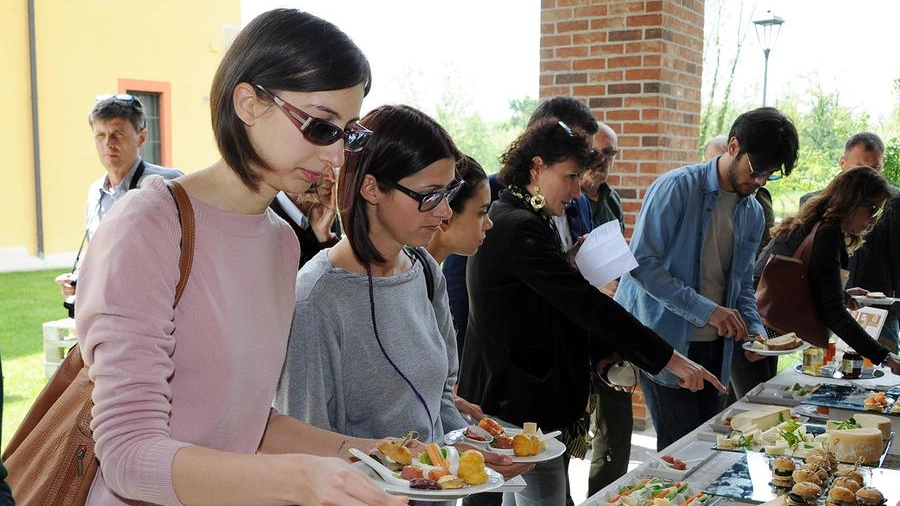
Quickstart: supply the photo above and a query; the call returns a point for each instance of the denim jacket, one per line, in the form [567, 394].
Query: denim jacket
[662, 292]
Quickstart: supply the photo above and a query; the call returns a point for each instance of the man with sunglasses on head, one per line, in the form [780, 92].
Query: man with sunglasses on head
[695, 242]
[119, 127]
[875, 266]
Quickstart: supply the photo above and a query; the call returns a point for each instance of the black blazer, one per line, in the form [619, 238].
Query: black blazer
[309, 243]
[536, 325]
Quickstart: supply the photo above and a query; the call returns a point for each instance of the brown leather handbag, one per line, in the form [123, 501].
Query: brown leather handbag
[784, 297]
[51, 458]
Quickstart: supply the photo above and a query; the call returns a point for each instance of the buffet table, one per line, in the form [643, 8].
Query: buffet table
[710, 472]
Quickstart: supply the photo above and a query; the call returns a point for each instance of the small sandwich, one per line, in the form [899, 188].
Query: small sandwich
[840, 496]
[782, 468]
[869, 496]
[820, 471]
[822, 455]
[804, 494]
[787, 341]
[852, 473]
[845, 482]
[876, 295]
[806, 476]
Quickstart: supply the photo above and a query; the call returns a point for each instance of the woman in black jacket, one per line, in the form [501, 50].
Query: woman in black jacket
[537, 329]
[845, 211]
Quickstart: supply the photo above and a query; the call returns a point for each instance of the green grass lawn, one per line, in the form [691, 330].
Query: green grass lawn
[27, 300]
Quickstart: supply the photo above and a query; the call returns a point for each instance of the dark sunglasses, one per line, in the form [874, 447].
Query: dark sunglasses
[122, 98]
[427, 201]
[321, 132]
[768, 175]
[875, 210]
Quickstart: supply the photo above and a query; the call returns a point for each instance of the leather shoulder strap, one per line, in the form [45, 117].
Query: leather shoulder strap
[186, 217]
[804, 251]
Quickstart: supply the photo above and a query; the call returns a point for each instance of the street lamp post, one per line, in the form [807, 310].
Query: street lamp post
[767, 31]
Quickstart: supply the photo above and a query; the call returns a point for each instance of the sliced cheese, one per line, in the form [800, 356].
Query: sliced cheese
[851, 444]
[761, 418]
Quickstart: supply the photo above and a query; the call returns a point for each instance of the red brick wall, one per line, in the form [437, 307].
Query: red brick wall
[638, 65]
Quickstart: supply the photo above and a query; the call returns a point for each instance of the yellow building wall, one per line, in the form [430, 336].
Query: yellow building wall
[17, 208]
[88, 48]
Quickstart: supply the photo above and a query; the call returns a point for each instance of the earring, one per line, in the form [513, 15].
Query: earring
[537, 200]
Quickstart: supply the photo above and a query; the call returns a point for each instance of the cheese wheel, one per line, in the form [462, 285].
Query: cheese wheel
[851, 444]
[879, 422]
[761, 418]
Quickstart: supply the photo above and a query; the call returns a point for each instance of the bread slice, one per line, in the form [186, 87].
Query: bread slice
[784, 342]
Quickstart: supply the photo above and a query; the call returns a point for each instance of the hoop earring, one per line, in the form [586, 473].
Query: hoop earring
[537, 200]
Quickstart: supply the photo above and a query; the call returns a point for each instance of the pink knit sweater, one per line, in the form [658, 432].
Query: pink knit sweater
[207, 379]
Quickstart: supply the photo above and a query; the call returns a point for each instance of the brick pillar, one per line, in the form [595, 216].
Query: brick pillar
[638, 65]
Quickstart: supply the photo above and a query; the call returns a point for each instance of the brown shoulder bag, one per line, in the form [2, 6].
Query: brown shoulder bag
[51, 458]
[784, 297]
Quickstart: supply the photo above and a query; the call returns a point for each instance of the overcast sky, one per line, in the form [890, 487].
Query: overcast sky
[489, 48]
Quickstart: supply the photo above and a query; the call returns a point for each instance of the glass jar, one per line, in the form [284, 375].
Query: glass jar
[851, 365]
[813, 359]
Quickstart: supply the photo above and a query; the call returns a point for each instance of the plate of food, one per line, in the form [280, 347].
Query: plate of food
[438, 474]
[680, 463]
[772, 347]
[527, 444]
[655, 491]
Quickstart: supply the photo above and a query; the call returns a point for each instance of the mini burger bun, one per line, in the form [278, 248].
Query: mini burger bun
[805, 475]
[869, 495]
[841, 494]
[806, 489]
[845, 482]
[783, 464]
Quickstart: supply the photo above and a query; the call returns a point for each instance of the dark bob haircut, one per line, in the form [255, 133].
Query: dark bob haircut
[405, 141]
[282, 49]
[551, 140]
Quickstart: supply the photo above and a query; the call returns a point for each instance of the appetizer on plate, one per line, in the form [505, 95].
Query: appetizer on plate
[525, 443]
[657, 492]
[437, 468]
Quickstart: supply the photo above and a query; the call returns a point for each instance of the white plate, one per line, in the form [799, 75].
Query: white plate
[694, 455]
[554, 449]
[748, 345]
[887, 301]
[495, 480]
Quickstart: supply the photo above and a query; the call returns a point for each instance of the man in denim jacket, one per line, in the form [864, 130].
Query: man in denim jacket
[695, 242]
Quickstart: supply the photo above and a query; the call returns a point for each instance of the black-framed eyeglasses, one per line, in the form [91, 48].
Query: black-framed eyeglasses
[768, 175]
[428, 201]
[321, 132]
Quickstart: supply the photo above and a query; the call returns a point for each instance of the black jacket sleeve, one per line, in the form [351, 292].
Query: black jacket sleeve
[828, 258]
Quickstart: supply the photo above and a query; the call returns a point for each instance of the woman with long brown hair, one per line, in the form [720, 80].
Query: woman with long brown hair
[845, 211]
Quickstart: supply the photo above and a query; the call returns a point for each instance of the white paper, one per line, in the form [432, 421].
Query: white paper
[604, 255]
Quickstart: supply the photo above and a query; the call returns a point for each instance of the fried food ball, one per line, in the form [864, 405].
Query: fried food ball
[471, 467]
[527, 445]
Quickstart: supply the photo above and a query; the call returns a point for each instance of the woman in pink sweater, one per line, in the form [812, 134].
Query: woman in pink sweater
[182, 396]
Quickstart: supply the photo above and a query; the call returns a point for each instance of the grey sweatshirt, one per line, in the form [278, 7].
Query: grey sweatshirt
[336, 375]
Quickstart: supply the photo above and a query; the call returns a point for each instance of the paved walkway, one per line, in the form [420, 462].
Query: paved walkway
[643, 447]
